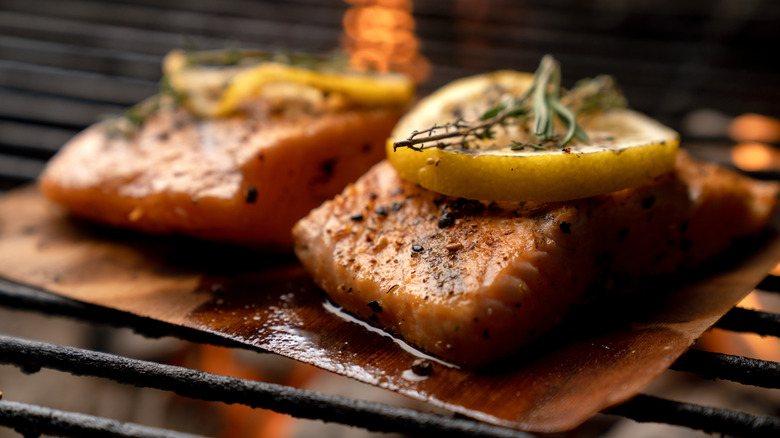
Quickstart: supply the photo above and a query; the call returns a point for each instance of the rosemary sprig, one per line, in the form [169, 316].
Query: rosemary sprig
[132, 120]
[542, 102]
[234, 56]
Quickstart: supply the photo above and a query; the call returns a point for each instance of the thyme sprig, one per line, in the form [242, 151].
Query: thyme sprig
[132, 120]
[232, 56]
[540, 103]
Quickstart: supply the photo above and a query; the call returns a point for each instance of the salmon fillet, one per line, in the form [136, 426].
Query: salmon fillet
[240, 179]
[472, 281]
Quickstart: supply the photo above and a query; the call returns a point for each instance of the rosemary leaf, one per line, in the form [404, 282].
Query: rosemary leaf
[518, 111]
[543, 121]
[492, 112]
[569, 119]
[580, 134]
[535, 111]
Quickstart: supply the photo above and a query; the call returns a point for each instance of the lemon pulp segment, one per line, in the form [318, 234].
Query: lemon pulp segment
[625, 149]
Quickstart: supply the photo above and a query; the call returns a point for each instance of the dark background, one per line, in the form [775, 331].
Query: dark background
[66, 63]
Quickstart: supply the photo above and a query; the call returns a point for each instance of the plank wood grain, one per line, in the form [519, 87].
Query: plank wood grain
[598, 359]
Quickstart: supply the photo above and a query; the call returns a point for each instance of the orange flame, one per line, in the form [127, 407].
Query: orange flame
[775, 271]
[746, 344]
[379, 35]
[755, 127]
[754, 156]
[237, 420]
[754, 132]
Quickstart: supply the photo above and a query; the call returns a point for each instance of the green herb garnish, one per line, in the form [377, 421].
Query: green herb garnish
[541, 103]
[132, 120]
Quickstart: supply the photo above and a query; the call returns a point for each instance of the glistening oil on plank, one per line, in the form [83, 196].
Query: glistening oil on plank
[590, 363]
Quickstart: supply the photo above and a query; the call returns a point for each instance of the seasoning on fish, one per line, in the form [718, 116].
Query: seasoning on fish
[500, 274]
[235, 149]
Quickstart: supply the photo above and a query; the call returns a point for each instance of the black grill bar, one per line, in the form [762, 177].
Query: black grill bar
[745, 370]
[771, 283]
[644, 408]
[14, 295]
[744, 320]
[19, 169]
[24, 297]
[31, 356]
[31, 421]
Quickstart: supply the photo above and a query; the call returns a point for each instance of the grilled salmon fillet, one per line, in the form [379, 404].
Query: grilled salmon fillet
[240, 179]
[473, 281]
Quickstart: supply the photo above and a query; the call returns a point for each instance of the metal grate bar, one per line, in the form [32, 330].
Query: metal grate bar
[31, 140]
[668, 60]
[745, 370]
[31, 421]
[53, 110]
[30, 356]
[19, 169]
[28, 298]
[744, 320]
[181, 22]
[644, 408]
[23, 297]
[772, 282]
[74, 84]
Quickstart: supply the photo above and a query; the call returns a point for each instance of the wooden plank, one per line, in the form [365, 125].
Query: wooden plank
[268, 301]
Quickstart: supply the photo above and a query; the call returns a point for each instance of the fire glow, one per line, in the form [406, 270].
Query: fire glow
[379, 35]
[755, 134]
[747, 344]
[755, 156]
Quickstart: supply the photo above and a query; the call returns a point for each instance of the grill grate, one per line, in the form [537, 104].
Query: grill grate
[32, 420]
[30, 356]
[67, 63]
[645, 409]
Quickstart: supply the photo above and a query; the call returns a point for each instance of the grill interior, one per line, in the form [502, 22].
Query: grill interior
[66, 63]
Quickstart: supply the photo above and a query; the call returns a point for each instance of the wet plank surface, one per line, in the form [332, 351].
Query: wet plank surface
[596, 360]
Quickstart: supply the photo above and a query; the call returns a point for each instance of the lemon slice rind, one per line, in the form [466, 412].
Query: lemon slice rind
[218, 91]
[390, 89]
[634, 150]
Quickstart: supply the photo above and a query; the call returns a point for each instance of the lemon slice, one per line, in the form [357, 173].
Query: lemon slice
[363, 89]
[218, 91]
[625, 148]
